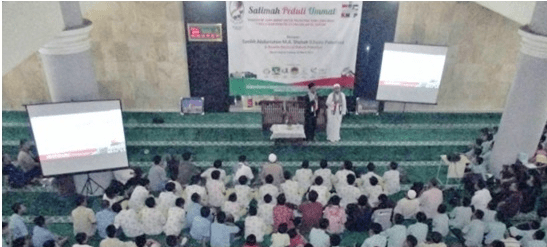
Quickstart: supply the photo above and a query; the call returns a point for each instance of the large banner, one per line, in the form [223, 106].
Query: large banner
[278, 48]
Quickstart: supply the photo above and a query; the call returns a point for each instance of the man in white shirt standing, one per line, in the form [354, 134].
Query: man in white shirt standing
[336, 109]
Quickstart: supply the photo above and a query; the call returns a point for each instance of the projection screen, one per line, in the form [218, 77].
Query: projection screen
[78, 137]
[411, 73]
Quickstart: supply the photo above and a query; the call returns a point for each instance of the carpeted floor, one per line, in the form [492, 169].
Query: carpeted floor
[414, 140]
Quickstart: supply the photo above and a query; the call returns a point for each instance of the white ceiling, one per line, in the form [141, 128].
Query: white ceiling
[520, 12]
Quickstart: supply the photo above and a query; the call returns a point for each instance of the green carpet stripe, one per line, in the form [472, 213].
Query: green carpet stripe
[313, 164]
[264, 143]
[259, 126]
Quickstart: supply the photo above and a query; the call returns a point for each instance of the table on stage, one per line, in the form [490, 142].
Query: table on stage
[288, 132]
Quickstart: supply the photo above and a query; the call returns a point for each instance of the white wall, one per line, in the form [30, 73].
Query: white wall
[519, 11]
[26, 26]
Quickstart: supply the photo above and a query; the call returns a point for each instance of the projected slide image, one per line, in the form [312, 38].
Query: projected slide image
[83, 134]
[407, 69]
[411, 73]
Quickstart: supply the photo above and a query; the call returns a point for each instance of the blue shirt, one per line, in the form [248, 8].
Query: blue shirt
[201, 228]
[221, 233]
[194, 210]
[17, 227]
[40, 235]
[104, 218]
[157, 177]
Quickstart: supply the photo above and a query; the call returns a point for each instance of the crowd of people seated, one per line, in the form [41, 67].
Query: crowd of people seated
[307, 208]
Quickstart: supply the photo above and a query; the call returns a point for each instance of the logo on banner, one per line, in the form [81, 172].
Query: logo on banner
[236, 11]
[350, 10]
[276, 70]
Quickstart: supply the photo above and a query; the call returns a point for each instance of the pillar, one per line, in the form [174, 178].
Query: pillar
[68, 66]
[525, 110]
[67, 60]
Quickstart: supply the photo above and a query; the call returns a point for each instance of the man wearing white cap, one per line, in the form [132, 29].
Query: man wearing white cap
[336, 108]
[272, 168]
[408, 206]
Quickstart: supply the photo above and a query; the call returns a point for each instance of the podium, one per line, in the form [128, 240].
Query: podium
[290, 111]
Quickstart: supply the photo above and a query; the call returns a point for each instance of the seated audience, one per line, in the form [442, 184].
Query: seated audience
[325, 174]
[268, 188]
[396, 235]
[340, 177]
[296, 239]
[474, 231]
[81, 240]
[408, 206]
[375, 239]
[304, 177]
[83, 218]
[441, 221]
[217, 166]
[222, 232]
[319, 236]
[195, 187]
[348, 193]
[250, 241]
[494, 230]
[291, 191]
[40, 234]
[322, 191]
[359, 215]
[392, 179]
[175, 241]
[365, 179]
[244, 192]
[112, 241]
[17, 178]
[17, 226]
[461, 214]
[281, 238]
[282, 214]
[373, 191]
[435, 240]
[167, 198]
[420, 228]
[255, 226]
[265, 211]
[127, 219]
[336, 216]
[105, 217]
[157, 175]
[242, 169]
[201, 227]
[186, 171]
[233, 208]
[272, 168]
[176, 218]
[431, 199]
[215, 190]
[194, 210]
[312, 212]
[139, 195]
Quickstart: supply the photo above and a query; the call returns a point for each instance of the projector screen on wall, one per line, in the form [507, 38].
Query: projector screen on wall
[411, 73]
[78, 137]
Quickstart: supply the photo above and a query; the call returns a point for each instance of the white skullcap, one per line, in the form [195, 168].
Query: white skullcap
[411, 194]
[272, 158]
[336, 85]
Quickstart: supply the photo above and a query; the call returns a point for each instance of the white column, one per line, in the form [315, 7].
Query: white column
[525, 111]
[68, 65]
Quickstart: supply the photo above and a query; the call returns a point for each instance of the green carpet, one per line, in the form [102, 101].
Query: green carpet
[409, 137]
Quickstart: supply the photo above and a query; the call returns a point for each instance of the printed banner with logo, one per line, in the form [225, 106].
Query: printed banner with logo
[278, 48]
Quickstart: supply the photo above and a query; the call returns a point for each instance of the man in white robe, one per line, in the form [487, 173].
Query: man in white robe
[336, 109]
